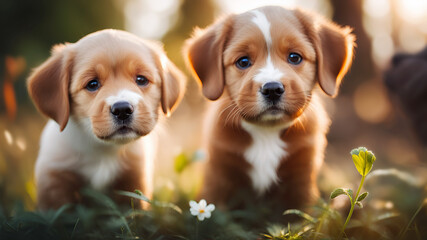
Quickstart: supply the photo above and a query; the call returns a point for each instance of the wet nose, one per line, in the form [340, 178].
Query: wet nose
[272, 91]
[122, 110]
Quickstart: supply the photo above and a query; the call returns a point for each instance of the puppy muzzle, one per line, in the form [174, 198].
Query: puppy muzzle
[272, 91]
[122, 112]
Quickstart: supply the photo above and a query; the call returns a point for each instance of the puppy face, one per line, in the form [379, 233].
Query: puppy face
[270, 60]
[111, 82]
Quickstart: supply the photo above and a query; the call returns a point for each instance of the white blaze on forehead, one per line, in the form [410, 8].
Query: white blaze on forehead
[264, 25]
[268, 73]
[124, 95]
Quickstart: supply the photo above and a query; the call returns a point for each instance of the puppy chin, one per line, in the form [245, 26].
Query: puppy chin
[120, 135]
[272, 119]
[122, 138]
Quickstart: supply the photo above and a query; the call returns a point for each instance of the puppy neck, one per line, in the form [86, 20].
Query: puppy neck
[79, 136]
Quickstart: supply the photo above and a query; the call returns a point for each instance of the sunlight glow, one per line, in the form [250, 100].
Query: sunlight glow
[411, 40]
[412, 10]
[238, 6]
[22, 145]
[366, 94]
[382, 49]
[376, 8]
[151, 19]
[8, 137]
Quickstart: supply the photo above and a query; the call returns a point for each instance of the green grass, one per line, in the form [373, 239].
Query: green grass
[382, 217]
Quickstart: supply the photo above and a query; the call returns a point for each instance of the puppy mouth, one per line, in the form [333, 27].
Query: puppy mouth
[270, 114]
[123, 132]
[273, 110]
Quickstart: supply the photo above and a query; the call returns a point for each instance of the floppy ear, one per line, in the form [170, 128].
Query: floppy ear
[48, 85]
[204, 56]
[334, 49]
[173, 86]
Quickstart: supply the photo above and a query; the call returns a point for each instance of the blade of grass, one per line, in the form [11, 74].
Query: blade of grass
[301, 214]
[74, 228]
[153, 202]
[58, 213]
[403, 232]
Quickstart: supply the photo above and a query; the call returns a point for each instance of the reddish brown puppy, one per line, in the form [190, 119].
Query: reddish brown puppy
[267, 126]
[103, 93]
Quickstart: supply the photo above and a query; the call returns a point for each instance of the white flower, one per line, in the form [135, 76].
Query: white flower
[201, 210]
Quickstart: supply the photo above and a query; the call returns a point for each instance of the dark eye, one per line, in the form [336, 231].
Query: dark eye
[93, 85]
[243, 63]
[141, 80]
[294, 58]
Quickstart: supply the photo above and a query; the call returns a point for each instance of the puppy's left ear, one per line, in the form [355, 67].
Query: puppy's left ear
[173, 85]
[334, 49]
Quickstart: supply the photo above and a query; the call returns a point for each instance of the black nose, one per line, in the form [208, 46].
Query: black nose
[122, 110]
[272, 90]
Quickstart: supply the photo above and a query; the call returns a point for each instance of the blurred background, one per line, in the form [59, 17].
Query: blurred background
[364, 113]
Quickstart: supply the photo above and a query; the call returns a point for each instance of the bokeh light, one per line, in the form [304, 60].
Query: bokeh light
[238, 6]
[371, 102]
[151, 19]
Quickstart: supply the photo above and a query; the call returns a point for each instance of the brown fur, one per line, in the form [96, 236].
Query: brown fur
[212, 53]
[58, 89]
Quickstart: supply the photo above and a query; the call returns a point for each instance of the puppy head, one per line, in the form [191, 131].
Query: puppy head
[110, 81]
[268, 61]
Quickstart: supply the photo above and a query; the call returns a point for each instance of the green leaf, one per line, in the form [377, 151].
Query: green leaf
[100, 198]
[341, 191]
[358, 162]
[363, 160]
[140, 196]
[58, 213]
[357, 150]
[181, 162]
[362, 196]
[137, 194]
[300, 214]
[359, 204]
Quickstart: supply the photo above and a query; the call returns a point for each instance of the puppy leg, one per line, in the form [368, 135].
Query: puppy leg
[56, 188]
[130, 181]
[299, 174]
[223, 184]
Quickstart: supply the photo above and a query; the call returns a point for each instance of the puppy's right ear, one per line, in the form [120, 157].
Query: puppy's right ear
[48, 85]
[204, 56]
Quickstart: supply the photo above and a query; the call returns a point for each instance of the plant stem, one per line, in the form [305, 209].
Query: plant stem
[197, 229]
[403, 232]
[353, 203]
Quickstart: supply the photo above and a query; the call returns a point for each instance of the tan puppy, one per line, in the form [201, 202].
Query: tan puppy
[104, 92]
[266, 133]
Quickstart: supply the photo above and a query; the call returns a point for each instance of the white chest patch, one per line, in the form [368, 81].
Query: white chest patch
[75, 149]
[265, 154]
[101, 172]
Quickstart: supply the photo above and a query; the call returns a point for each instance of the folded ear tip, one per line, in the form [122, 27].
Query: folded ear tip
[331, 92]
[62, 125]
[211, 95]
[166, 109]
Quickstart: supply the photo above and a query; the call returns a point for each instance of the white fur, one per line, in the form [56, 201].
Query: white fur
[124, 95]
[268, 73]
[264, 25]
[272, 117]
[76, 149]
[265, 154]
